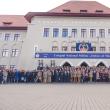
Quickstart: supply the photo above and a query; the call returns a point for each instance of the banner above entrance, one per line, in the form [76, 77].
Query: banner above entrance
[74, 55]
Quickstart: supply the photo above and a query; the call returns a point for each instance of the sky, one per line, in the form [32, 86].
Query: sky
[21, 7]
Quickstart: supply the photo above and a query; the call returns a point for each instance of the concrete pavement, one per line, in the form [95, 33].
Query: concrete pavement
[55, 97]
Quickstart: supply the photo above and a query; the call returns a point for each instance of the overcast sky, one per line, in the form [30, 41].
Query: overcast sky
[24, 6]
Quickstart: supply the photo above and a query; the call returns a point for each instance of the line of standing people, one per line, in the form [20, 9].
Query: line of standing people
[56, 74]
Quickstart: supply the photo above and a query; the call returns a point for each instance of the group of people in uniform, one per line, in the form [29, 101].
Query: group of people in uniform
[56, 74]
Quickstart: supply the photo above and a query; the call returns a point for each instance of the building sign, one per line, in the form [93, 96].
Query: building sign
[83, 46]
[74, 55]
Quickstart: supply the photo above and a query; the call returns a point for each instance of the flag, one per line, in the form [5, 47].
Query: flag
[83, 46]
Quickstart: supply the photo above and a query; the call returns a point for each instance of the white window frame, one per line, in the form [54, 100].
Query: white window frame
[7, 36]
[5, 53]
[74, 33]
[46, 32]
[65, 32]
[102, 49]
[15, 52]
[16, 37]
[102, 33]
[83, 33]
[92, 33]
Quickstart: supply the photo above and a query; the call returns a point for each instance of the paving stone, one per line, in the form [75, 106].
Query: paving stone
[55, 97]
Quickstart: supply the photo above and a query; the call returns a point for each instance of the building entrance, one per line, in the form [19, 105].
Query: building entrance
[66, 64]
[101, 64]
[84, 64]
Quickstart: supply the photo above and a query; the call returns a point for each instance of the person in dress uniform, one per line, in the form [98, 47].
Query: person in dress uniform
[39, 75]
[72, 75]
[97, 76]
[109, 74]
[1, 76]
[45, 76]
[75, 76]
[79, 75]
[49, 76]
[5, 74]
[90, 75]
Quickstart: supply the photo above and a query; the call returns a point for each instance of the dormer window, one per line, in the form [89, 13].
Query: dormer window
[66, 10]
[7, 23]
[83, 11]
[99, 11]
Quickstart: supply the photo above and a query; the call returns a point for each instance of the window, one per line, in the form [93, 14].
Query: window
[92, 33]
[40, 63]
[46, 32]
[7, 37]
[93, 48]
[12, 67]
[15, 52]
[54, 48]
[73, 48]
[16, 37]
[66, 10]
[83, 33]
[65, 33]
[52, 63]
[83, 11]
[102, 49]
[102, 33]
[74, 33]
[5, 53]
[99, 11]
[3, 66]
[108, 32]
[64, 48]
[55, 32]
[7, 23]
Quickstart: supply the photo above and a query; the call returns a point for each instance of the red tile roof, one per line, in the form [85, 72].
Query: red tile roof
[30, 15]
[15, 22]
[76, 6]
[72, 8]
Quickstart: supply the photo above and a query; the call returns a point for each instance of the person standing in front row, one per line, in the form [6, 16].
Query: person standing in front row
[5, 74]
[49, 75]
[44, 76]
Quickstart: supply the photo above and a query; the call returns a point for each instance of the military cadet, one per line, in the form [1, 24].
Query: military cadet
[75, 76]
[90, 75]
[39, 75]
[5, 74]
[49, 75]
[94, 75]
[109, 74]
[56, 76]
[72, 75]
[62, 76]
[1, 76]
[53, 75]
[44, 76]
[97, 76]
[78, 75]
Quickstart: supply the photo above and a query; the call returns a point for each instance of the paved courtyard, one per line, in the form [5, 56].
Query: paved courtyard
[55, 97]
